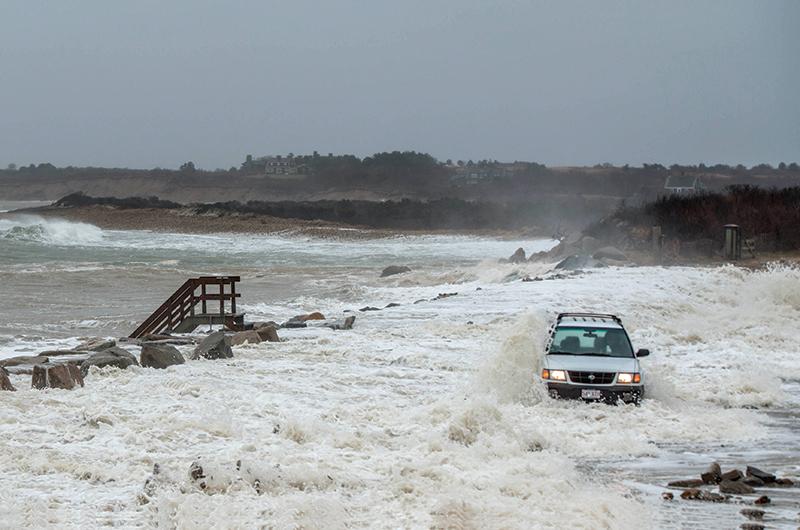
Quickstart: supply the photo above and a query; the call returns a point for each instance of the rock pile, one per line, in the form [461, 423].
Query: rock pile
[732, 482]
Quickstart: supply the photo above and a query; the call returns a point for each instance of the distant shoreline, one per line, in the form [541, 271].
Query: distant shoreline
[185, 221]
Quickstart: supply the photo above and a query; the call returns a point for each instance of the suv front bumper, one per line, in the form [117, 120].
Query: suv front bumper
[608, 393]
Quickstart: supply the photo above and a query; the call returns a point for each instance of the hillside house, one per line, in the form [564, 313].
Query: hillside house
[683, 184]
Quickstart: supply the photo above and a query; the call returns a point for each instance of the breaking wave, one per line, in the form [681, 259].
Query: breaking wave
[49, 231]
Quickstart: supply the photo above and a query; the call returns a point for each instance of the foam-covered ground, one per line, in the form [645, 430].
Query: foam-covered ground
[424, 415]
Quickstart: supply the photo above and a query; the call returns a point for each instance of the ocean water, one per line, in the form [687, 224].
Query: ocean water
[425, 415]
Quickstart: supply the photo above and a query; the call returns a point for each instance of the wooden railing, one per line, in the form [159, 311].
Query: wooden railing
[182, 304]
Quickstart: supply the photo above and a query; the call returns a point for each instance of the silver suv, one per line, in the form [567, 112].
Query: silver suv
[590, 357]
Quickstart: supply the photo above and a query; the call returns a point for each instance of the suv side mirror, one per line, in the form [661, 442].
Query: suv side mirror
[642, 353]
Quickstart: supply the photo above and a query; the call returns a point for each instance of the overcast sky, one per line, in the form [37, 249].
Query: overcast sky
[150, 83]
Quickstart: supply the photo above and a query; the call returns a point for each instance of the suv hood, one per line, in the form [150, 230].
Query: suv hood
[591, 363]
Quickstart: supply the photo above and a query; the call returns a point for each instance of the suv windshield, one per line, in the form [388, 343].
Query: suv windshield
[591, 341]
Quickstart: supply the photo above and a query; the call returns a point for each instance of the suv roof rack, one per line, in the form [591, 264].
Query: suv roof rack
[615, 318]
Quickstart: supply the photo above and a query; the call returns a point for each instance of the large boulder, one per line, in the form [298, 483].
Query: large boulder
[610, 253]
[518, 256]
[66, 376]
[160, 355]
[578, 262]
[268, 334]
[114, 356]
[96, 344]
[245, 337]
[5, 382]
[391, 270]
[215, 346]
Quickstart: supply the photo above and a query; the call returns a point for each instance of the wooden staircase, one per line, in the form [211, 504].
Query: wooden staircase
[179, 313]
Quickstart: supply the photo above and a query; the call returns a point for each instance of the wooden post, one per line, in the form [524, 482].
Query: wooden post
[658, 243]
[203, 294]
[233, 297]
[222, 298]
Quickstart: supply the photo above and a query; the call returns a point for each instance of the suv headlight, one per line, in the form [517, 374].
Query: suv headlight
[628, 378]
[554, 375]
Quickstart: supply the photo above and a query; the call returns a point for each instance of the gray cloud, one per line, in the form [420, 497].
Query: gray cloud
[151, 83]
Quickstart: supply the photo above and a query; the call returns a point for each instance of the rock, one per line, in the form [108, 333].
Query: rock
[96, 344]
[784, 482]
[391, 270]
[444, 295]
[197, 475]
[518, 256]
[712, 475]
[589, 244]
[347, 323]
[259, 325]
[753, 481]
[610, 253]
[268, 334]
[150, 485]
[667, 496]
[242, 337]
[23, 364]
[370, 308]
[689, 483]
[753, 514]
[215, 346]
[751, 471]
[5, 382]
[577, 262]
[175, 341]
[732, 476]
[113, 356]
[751, 526]
[65, 376]
[762, 500]
[61, 353]
[701, 495]
[735, 487]
[160, 355]
[23, 359]
[300, 321]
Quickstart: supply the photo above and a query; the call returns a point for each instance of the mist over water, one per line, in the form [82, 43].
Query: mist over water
[427, 414]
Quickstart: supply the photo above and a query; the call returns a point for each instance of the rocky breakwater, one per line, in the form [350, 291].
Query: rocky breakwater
[731, 486]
